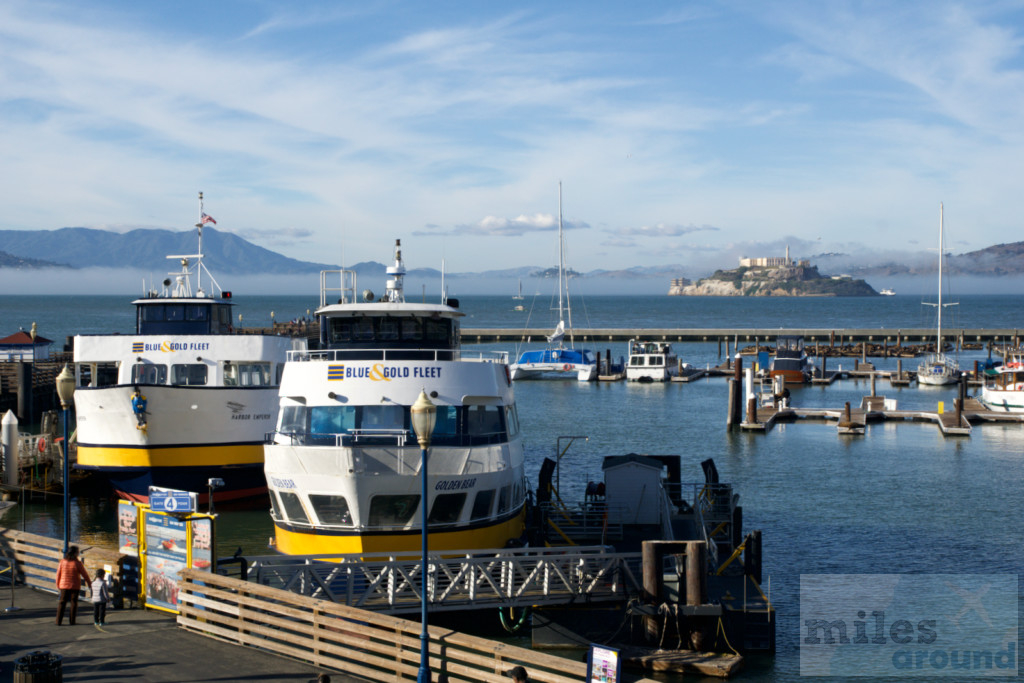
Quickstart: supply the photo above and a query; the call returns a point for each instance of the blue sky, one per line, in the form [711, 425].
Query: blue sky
[685, 132]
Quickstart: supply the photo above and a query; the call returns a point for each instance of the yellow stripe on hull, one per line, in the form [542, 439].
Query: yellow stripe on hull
[174, 456]
[494, 536]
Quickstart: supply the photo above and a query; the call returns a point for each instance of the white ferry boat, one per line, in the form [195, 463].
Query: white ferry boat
[651, 361]
[211, 394]
[344, 467]
[888, 292]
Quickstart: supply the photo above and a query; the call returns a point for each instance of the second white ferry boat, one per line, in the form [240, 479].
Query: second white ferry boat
[344, 467]
[210, 393]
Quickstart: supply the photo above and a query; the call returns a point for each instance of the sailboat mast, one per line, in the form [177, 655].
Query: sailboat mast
[938, 332]
[560, 255]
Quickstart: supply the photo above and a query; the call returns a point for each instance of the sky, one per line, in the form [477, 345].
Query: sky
[681, 132]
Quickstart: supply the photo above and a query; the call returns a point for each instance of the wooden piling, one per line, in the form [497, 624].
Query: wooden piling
[730, 411]
[696, 573]
[873, 375]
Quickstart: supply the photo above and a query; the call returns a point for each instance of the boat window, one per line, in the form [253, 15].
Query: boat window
[392, 510]
[331, 419]
[636, 360]
[363, 329]
[149, 373]
[293, 420]
[436, 330]
[383, 417]
[196, 312]
[656, 360]
[503, 498]
[447, 423]
[293, 507]
[174, 312]
[280, 372]
[105, 375]
[193, 374]
[512, 420]
[152, 312]
[484, 420]
[246, 374]
[482, 504]
[340, 330]
[388, 330]
[446, 508]
[275, 506]
[411, 329]
[331, 509]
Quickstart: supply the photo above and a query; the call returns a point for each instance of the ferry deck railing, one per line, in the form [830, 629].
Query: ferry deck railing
[457, 580]
[333, 355]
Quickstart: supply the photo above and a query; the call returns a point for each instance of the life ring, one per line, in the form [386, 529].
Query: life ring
[567, 367]
[41, 444]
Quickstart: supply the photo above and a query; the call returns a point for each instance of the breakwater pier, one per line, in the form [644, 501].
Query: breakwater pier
[1001, 336]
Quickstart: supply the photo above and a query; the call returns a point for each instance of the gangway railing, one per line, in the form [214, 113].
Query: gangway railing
[457, 580]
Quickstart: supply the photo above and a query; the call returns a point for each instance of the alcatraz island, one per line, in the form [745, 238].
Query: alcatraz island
[772, 276]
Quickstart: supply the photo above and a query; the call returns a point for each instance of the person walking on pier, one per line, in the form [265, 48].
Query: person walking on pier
[100, 598]
[70, 572]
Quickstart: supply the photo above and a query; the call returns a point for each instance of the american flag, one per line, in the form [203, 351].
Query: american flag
[206, 218]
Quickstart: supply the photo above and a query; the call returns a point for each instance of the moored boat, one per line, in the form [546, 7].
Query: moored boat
[208, 395]
[651, 361]
[791, 361]
[343, 465]
[1003, 390]
[558, 360]
[939, 368]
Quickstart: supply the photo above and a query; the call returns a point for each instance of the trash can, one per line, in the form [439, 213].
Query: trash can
[39, 667]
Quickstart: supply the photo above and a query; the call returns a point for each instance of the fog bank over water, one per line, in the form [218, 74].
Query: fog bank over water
[132, 282]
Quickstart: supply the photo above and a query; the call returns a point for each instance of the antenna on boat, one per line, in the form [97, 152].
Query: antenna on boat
[199, 271]
[444, 292]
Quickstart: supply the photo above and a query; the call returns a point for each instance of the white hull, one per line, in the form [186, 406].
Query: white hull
[578, 371]
[1003, 400]
[938, 370]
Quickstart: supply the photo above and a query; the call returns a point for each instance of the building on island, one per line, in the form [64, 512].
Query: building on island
[773, 262]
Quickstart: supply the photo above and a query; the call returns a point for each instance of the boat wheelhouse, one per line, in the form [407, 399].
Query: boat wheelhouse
[343, 465]
[651, 361]
[210, 394]
[791, 361]
[1003, 390]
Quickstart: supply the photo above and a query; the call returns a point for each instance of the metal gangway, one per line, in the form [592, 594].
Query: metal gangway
[457, 580]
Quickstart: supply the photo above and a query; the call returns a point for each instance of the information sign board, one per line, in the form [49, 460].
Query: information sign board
[171, 500]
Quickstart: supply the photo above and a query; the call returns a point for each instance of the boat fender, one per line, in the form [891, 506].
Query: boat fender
[41, 444]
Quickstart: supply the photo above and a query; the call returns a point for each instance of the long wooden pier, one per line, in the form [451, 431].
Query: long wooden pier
[878, 409]
[745, 335]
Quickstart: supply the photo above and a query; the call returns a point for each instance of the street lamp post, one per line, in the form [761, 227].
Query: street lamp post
[423, 415]
[66, 391]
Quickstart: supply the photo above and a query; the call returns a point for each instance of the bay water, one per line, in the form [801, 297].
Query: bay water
[900, 499]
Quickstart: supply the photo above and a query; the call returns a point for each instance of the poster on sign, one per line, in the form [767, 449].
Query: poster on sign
[603, 664]
[128, 528]
[166, 555]
[202, 543]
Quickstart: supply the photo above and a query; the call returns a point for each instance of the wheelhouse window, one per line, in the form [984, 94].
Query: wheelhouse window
[293, 507]
[331, 509]
[149, 373]
[655, 360]
[482, 504]
[446, 508]
[392, 510]
[503, 498]
[485, 421]
[195, 312]
[192, 374]
[98, 375]
[392, 332]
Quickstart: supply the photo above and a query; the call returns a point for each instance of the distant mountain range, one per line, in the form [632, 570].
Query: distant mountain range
[147, 249]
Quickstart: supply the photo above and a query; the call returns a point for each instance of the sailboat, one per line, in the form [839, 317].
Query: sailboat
[558, 360]
[938, 368]
[519, 296]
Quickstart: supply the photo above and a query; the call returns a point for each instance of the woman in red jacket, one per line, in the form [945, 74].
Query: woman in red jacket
[70, 572]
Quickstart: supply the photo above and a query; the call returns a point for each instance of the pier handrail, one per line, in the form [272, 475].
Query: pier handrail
[372, 646]
[494, 578]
